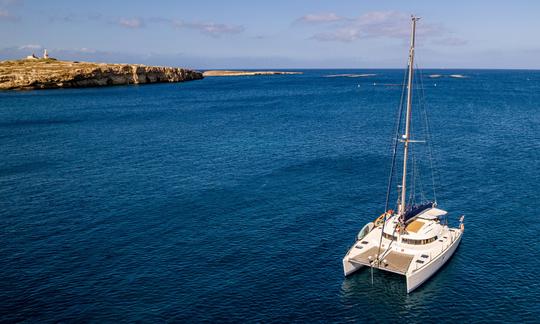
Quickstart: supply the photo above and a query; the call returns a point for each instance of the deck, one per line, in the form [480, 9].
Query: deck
[395, 262]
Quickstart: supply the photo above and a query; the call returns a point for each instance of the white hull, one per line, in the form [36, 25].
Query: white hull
[349, 268]
[415, 279]
[417, 262]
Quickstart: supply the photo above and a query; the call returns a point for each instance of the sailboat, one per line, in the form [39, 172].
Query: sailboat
[415, 240]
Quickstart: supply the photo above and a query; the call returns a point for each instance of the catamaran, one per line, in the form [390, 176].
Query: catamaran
[415, 241]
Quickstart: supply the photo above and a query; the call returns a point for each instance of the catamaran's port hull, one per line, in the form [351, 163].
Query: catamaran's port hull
[416, 278]
[349, 267]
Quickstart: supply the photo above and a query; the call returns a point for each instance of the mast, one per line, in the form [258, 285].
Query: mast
[405, 137]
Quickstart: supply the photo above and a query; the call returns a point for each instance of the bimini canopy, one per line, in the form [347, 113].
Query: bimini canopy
[432, 213]
[411, 211]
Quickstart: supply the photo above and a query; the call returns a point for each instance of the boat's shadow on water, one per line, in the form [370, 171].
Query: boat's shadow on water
[383, 282]
[387, 291]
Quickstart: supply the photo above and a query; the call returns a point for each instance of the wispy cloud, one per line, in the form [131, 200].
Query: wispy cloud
[382, 24]
[6, 15]
[372, 24]
[212, 29]
[132, 23]
[30, 47]
[209, 28]
[450, 41]
[320, 18]
[72, 18]
[339, 35]
[6, 12]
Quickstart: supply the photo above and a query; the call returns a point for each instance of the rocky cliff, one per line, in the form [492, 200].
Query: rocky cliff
[50, 73]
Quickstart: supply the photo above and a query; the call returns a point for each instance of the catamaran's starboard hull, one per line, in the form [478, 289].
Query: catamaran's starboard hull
[416, 278]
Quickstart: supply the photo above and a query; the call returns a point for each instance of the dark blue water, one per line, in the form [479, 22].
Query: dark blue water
[232, 199]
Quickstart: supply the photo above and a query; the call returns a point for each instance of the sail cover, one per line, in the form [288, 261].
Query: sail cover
[413, 210]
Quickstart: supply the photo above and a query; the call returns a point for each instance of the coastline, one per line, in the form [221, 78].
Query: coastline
[221, 73]
[38, 74]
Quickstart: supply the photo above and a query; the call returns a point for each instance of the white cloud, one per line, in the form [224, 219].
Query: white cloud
[384, 24]
[131, 22]
[372, 24]
[85, 50]
[340, 35]
[381, 17]
[450, 41]
[30, 47]
[5, 15]
[210, 28]
[320, 18]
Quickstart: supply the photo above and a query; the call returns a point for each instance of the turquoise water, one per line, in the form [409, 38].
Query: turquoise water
[235, 199]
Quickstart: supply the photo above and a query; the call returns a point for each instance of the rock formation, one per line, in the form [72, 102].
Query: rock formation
[50, 73]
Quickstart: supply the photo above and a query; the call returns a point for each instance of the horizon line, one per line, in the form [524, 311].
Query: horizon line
[360, 68]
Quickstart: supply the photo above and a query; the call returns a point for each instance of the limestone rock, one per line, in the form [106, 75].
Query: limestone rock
[50, 73]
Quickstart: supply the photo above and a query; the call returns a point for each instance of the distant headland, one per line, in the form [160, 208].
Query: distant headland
[244, 73]
[34, 72]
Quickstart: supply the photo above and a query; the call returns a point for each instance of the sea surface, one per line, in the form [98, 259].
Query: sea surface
[235, 198]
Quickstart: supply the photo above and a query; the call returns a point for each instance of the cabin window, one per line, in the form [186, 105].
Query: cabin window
[389, 237]
[419, 242]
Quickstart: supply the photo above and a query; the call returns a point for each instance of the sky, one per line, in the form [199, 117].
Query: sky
[206, 34]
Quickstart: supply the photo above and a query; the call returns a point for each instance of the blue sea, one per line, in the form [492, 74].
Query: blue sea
[234, 199]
